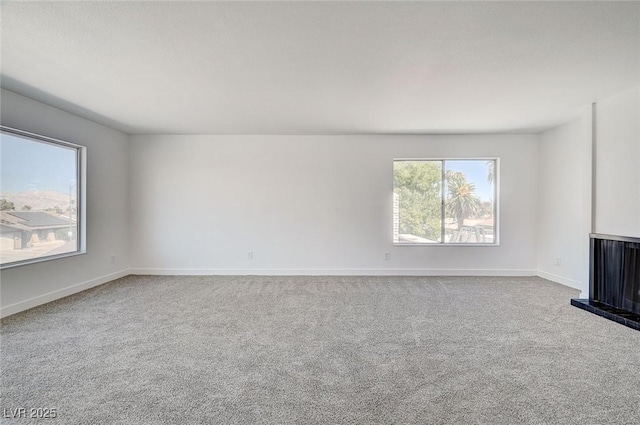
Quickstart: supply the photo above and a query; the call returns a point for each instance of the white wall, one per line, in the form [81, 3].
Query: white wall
[577, 197]
[310, 204]
[617, 169]
[564, 203]
[322, 204]
[107, 208]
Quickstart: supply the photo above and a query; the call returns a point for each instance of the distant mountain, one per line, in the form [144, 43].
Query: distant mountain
[38, 200]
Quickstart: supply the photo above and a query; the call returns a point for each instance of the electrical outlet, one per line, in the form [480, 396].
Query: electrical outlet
[387, 256]
[113, 259]
[558, 262]
[250, 255]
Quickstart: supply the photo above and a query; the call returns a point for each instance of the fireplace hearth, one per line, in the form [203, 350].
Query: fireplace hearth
[614, 279]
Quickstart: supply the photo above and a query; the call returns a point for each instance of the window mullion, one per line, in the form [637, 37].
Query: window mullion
[442, 204]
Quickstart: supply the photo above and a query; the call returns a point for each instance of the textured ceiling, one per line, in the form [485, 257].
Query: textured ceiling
[321, 67]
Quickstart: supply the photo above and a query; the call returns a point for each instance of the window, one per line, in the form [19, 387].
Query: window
[41, 198]
[445, 201]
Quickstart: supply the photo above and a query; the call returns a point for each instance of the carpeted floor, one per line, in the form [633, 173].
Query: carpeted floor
[320, 350]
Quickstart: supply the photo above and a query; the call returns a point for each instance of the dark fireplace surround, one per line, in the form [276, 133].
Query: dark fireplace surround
[614, 279]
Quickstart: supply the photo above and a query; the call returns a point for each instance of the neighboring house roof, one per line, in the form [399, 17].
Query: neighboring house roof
[31, 220]
[7, 229]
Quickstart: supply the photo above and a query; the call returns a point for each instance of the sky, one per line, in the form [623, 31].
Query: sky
[476, 172]
[27, 165]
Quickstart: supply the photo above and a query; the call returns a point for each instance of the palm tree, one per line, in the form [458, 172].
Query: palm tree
[462, 201]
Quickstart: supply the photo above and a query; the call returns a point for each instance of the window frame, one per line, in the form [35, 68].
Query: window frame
[496, 203]
[81, 192]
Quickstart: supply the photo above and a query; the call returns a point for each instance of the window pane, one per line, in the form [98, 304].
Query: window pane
[38, 199]
[469, 201]
[417, 201]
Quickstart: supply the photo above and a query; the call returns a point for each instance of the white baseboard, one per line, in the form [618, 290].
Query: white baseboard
[60, 293]
[335, 272]
[561, 280]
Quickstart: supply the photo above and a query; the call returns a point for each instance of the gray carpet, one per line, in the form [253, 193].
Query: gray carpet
[321, 350]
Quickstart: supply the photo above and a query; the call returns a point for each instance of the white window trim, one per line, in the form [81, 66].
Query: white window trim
[496, 194]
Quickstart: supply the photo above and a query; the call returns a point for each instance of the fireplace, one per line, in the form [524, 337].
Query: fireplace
[614, 279]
